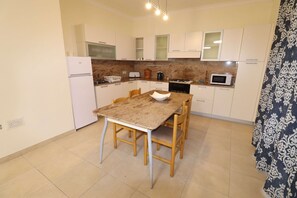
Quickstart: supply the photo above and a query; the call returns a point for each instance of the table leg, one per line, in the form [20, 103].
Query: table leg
[149, 141]
[102, 138]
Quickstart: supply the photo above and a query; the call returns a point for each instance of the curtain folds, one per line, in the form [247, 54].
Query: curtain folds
[275, 133]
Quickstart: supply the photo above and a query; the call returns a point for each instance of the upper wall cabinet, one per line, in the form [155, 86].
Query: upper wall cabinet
[125, 47]
[211, 46]
[254, 43]
[185, 45]
[145, 47]
[231, 43]
[161, 47]
[95, 34]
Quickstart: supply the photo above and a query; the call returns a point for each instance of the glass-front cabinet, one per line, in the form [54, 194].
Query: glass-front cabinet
[161, 47]
[139, 48]
[211, 45]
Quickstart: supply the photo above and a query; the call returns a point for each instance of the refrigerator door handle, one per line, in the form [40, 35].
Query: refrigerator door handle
[79, 75]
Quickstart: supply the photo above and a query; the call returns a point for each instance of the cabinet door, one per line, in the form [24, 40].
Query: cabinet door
[130, 86]
[211, 46]
[159, 86]
[202, 98]
[149, 47]
[176, 42]
[222, 101]
[193, 41]
[125, 47]
[161, 47]
[231, 43]
[248, 82]
[144, 85]
[254, 43]
[103, 95]
[99, 35]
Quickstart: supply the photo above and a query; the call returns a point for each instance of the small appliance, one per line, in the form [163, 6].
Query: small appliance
[160, 75]
[134, 74]
[221, 79]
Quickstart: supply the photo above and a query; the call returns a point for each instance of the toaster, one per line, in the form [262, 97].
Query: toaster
[134, 74]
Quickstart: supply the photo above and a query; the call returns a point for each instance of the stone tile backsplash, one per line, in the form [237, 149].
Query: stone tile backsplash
[192, 69]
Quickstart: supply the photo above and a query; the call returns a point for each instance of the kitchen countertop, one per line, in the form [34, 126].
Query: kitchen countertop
[166, 81]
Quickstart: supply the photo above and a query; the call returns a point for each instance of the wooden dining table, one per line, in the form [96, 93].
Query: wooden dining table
[142, 113]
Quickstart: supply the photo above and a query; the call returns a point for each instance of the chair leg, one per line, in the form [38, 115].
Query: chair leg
[181, 154]
[134, 143]
[158, 147]
[130, 134]
[172, 160]
[145, 150]
[115, 136]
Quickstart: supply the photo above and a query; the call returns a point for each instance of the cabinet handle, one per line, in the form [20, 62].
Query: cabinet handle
[227, 89]
[124, 59]
[101, 42]
[200, 100]
[175, 50]
[192, 50]
[117, 84]
[251, 61]
[104, 86]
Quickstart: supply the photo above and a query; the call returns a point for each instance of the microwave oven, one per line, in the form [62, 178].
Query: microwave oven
[221, 79]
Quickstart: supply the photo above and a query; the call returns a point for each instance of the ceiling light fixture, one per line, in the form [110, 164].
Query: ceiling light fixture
[158, 11]
[148, 5]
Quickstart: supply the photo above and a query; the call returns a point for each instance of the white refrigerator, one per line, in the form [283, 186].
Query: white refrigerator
[82, 90]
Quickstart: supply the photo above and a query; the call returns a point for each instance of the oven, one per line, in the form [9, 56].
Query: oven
[179, 85]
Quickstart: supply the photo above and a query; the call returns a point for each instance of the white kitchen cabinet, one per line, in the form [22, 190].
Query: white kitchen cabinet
[144, 85]
[254, 43]
[149, 47]
[130, 85]
[95, 34]
[211, 46]
[202, 101]
[159, 86]
[104, 95]
[125, 47]
[248, 82]
[231, 44]
[193, 41]
[185, 45]
[139, 48]
[176, 42]
[222, 101]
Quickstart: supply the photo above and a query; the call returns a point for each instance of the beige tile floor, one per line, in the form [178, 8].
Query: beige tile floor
[218, 162]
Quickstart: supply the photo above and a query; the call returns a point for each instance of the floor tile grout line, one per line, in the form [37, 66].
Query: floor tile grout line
[45, 176]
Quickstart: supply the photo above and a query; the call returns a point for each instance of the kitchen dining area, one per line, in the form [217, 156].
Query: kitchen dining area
[147, 98]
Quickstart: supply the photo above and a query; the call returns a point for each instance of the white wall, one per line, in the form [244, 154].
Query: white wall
[33, 77]
[76, 12]
[209, 18]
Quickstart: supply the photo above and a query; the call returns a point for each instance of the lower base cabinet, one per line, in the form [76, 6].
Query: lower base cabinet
[222, 101]
[202, 101]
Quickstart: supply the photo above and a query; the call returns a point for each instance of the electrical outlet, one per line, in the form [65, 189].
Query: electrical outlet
[124, 72]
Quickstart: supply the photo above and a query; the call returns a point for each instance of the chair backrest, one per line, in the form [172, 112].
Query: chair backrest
[115, 101]
[179, 122]
[134, 92]
[187, 103]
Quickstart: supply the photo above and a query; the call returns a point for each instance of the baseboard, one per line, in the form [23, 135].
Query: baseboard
[35, 146]
[222, 118]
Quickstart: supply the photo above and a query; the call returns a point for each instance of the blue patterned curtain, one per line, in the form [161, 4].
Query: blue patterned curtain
[275, 134]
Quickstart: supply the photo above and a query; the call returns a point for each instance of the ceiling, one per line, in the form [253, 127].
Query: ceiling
[136, 8]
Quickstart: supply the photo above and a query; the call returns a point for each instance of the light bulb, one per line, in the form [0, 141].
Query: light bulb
[157, 12]
[148, 5]
[165, 17]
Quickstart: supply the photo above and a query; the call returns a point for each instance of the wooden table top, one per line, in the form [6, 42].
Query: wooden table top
[144, 111]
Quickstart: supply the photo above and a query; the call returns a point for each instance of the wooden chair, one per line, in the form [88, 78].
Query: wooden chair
[173, 138]
[187, 103]
[134, 92]
[118, 128]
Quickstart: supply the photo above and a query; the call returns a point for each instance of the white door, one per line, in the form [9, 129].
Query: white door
[83, 100]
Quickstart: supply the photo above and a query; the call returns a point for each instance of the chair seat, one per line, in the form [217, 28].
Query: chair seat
[164, 133]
